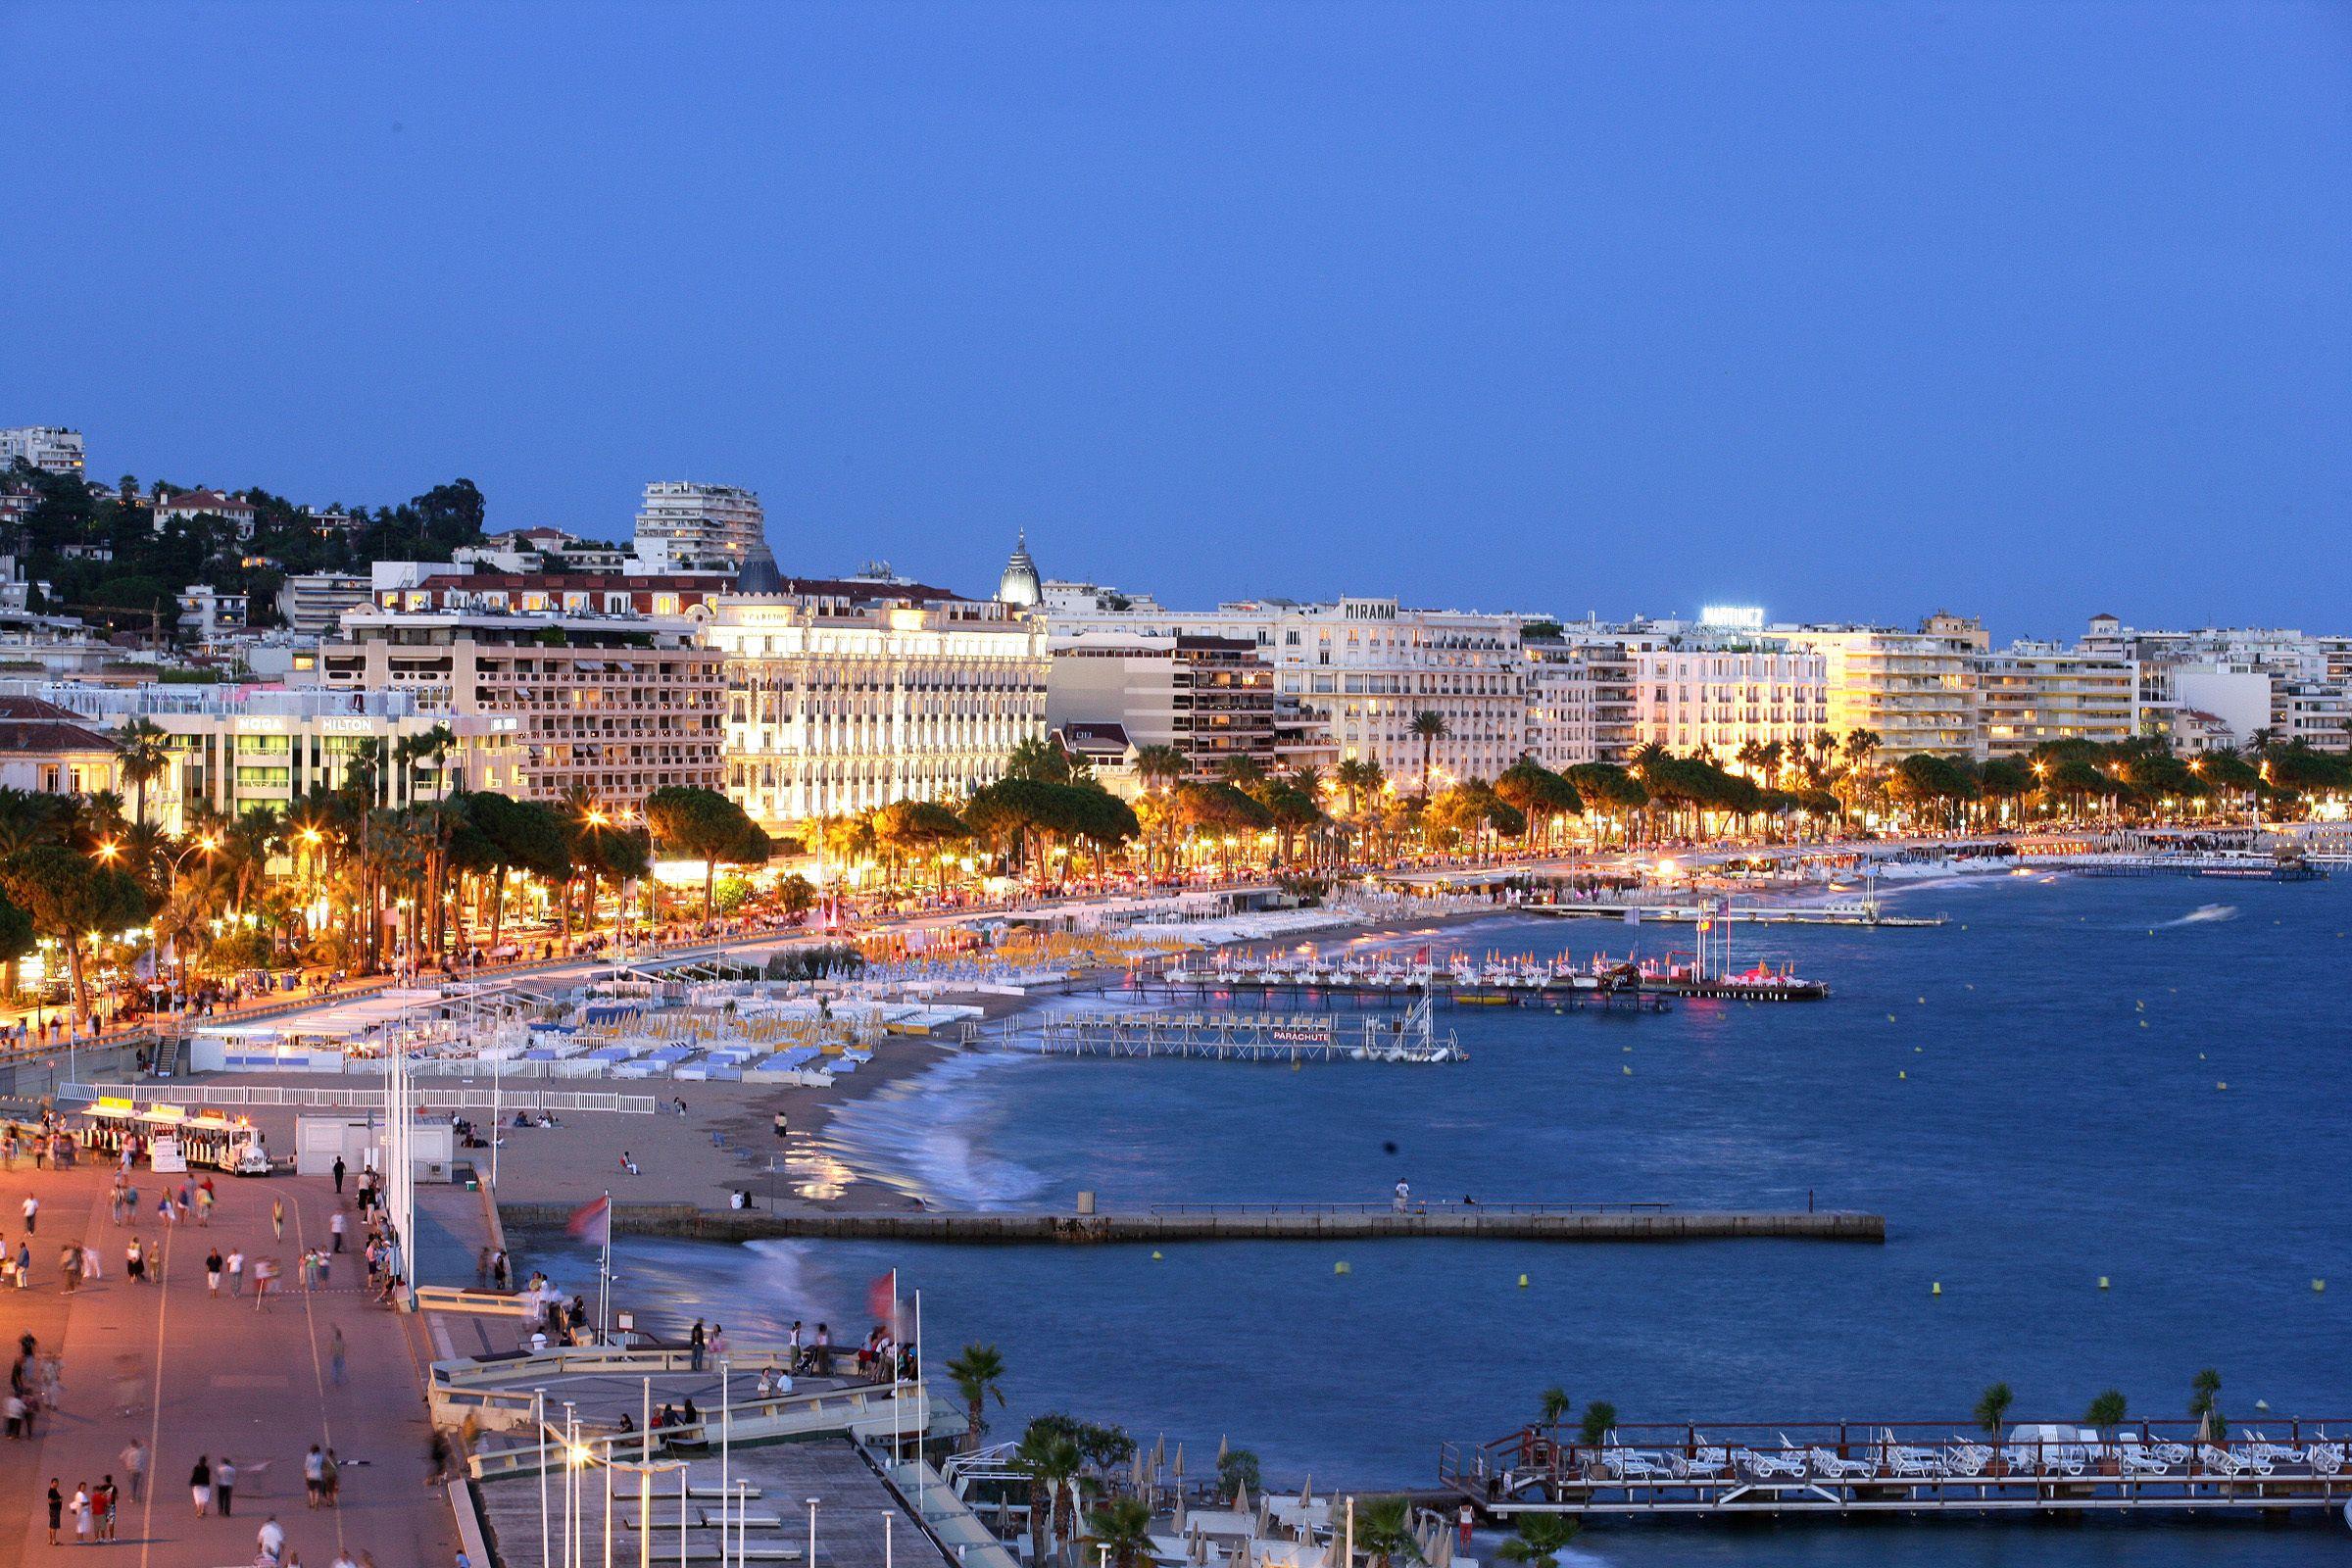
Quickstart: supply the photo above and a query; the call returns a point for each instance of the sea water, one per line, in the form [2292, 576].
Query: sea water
[2033, 1096]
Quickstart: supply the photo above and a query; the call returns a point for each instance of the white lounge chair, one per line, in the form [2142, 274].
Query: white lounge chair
[1702, 1464]
[1962, 1458]
[1831, 1466]
[2326, 1458]
[2258, 1447]
[1629, 1464]
[2137, 1459]
[2022, 1458]
[2225, 1462]
[1908, 1463]
[2169, 1453]
[1767, 1466]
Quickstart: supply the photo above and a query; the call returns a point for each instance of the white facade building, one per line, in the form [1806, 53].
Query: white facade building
[1916, 691]
[685, 526]
[48, 447]
[843, 698]
[1723, 695]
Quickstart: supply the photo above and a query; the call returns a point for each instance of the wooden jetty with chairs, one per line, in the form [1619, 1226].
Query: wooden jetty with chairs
[2275, 1466]
[1536, 1220]
[1220, 1034]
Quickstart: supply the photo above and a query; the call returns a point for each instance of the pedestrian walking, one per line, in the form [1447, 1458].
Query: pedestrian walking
[105, 1499]
[200, 1486]
[270, 1538]
[135, 1263]
[334, 1360]
[694, 1346]
[313, 1467]
[236, 1271]
[32, 1214]
[339, 1172]
[57, 1510]
[134, 1468]
[224, 1484]
[277, 1218]
[334, 1228]
[330, 1480]
[212, 1264]
[68, 1266]
[82, 1514]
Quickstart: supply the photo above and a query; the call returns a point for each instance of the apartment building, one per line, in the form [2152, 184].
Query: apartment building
[844, 696]
[688, 527]
[534, 593]
[1364, 669]
[2032, 694]
[51, 448]
[1917, 691]
[312, 604]
[1581, 702]
[1211, 697]
[612, 704]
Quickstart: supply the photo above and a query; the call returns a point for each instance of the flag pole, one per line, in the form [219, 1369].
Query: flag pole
[604, 1283]
[897, 1389]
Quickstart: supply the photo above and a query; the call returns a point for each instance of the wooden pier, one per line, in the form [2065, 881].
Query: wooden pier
[1218, 1035]
[1230, 1222]
[1362, 997]
[1710, 1470]
[2228, 868]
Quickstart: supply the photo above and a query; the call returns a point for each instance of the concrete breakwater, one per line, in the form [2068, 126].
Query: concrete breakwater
[1221, 1223]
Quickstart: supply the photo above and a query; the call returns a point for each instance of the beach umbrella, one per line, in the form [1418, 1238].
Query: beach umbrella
[1220, 1450]
[1307, 1490]
[1241, 1497]
[1139, 1472]
[1180, 1463]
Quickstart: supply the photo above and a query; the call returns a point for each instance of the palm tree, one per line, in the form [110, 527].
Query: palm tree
[1993, 1408]
[977, 1372]
[1383, 1529]
[1542, 1538]
[1860, 746]
[2205, 1403]
[2106, 1412]
[142, 752]
[1429, 726]
[1124, 1525]
[1555, 1407]
[1049, 1457]
[1159, 766]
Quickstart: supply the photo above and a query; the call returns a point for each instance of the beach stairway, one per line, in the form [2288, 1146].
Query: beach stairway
[167, 1057]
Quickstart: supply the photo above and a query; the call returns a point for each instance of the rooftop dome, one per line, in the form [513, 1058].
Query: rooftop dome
[759, 573]
[1019, 584]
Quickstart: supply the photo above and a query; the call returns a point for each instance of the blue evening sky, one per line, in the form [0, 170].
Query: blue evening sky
[2033, 310]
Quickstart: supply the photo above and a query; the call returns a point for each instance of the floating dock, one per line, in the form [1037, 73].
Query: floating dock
[2229, 869]
[1694, 915]
[1727, 1470]
[1232, 1222]
[1177, 987]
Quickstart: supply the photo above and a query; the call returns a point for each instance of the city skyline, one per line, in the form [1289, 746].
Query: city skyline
[1189, 304]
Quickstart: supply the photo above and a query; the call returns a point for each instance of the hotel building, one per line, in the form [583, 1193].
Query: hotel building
[613, 704]
[843, 695]
[2032, 694]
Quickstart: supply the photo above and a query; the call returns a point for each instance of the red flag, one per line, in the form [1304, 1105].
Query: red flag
[593, 1221]
[882, 1300]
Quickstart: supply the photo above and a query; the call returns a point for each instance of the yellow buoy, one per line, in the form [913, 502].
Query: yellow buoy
[1629, 1072]
[1935, 1289]
[1919, 1048]
[1890, 1017]
[1154, 1257]
[1523, 1282]
[1923, 1002]
[1902, 1075]
[2102, 1282]
[2319, 1285]
[1341, 1268]
[2221, 1085]
[2143, 1023]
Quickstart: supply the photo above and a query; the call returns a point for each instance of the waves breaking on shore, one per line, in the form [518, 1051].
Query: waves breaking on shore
[925, 1134]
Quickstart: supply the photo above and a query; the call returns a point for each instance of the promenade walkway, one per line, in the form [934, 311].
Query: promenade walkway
[187, 1373]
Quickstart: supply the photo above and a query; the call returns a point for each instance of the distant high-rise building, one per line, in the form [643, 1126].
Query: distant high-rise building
[697, 528]
[44, 446]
